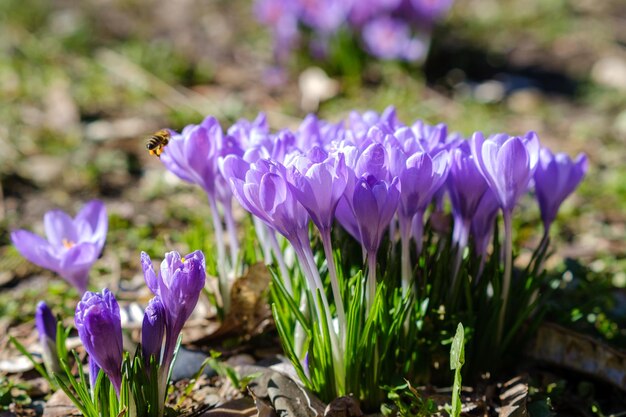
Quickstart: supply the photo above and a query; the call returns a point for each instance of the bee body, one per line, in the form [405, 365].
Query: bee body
[157, 142]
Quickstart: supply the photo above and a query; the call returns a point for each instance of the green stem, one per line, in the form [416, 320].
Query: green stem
[334, 282]
[221, 255]
[508, 265]
[371, 280]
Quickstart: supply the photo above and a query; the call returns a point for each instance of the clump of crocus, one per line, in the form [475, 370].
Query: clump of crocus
[134, 385]
[385, 184]
[389, 30]
[72, 245]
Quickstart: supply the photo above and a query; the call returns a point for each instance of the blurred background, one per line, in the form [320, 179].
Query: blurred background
[82, 84]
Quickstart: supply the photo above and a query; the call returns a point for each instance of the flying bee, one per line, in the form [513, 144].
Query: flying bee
[157, 142]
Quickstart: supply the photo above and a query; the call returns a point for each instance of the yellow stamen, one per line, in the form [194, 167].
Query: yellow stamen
[182, 259]
[68, 243]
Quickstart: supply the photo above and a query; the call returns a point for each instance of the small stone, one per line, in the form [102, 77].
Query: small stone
[343, 407]
[188, 362]
[610, 71]
[524, 101]
[491, 91]
[315, 87]
[59, 405]
[16, 365]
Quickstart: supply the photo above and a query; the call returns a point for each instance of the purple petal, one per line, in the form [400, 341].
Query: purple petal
[60, 229]
[34, 248]
[149, 274]
[94, 214]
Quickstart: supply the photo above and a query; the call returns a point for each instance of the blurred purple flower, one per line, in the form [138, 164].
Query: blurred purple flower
[389, 38]
[556, 177]
[507, 163]
[178, 288]
[152, 330]
[46, 325]
[429, 11]
[99, 327]
[72, 245]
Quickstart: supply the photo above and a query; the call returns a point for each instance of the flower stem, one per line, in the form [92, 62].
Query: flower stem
[371, 280]
[305, 256]
[508, 264]
[233, 242]
[221, 255]
[405, 243]
[284, 272]
[462, 228]
[418, 231]
[334, 282]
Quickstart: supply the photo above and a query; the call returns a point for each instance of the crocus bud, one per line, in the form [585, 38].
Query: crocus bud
[152, 330]
[94, 370]
[556, 177]
[99, 327]
[46, 325]
[178, 288]
[375, 203]
[507, 163]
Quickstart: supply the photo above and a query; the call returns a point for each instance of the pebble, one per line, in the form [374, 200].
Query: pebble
[610, 71]
[187, 364]
[491, 91]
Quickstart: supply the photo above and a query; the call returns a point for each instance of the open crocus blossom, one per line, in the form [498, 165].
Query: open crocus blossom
[556, 177]
[99, 326]
[73, 244]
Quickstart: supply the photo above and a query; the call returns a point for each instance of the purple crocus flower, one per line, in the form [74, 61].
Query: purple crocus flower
[72, 245]
[46, 325]
[375, 202]
[507, 163]
[152, 330]
[262, 188]
[192, 154]
[556, 177]
[422, 177]
[97, 320]
[178, 288]
[483, 222]
[318, 186]
[466, 187]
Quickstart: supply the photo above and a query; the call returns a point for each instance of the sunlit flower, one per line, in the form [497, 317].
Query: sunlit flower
[73, 244]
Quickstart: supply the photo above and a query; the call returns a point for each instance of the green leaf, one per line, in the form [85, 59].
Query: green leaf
[457, 359]
[457, 349]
